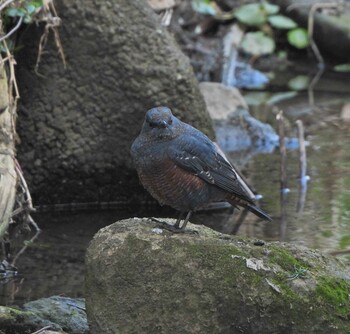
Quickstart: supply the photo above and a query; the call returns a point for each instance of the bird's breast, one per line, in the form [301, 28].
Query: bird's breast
[172, 185]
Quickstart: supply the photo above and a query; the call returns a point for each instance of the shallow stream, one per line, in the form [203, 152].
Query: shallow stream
[318, 217]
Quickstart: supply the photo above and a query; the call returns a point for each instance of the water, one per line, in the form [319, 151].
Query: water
[54, 264]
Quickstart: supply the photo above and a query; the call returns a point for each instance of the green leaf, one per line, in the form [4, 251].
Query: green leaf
[255, 14]
[252, 14]
[300, 82]
[13, 12]
[257, 43]
[281, 22]
[30, 8]
[298, 38]
[342, 68]
[37, 3]
[27, 19]
[270, 9]
[204, 7]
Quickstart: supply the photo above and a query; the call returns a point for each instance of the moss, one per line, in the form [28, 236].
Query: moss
[209, 279]
[327, 233]
[344, 241]
[284, 259]
[286, 290]
[336, 293]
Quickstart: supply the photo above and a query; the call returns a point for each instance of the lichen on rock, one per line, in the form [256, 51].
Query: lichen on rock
[142, 281]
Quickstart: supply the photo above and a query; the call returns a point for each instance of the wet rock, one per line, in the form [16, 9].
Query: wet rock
[58, 313]
[120, 62]
[236, 129]
[221, 100]
[240, 132]
[15, 321]
[142, 279]
[65, 313]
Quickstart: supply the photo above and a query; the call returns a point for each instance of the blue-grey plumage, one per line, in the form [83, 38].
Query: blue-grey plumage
[181, 167]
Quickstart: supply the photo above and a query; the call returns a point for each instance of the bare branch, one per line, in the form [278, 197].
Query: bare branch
[6, 3]
[13, 30]
[42, 330]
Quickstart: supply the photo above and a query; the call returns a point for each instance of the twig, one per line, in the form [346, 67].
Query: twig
[28, 242]
[239, 222]
[310, 27]
[302, 150]
[13, 30]
[76, 306]
[52, 22]
[302, 167]
[281, 133]
[6, 3]
[12, 86]
[166, 17]
[27, 208]
[340, 252]
[283, 175]
[29, 202]
[42, 330]
[312, 85]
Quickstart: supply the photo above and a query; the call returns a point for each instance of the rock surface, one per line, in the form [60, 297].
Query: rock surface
[57, 313]
[77, 124]
[67, 314]
[142, 279]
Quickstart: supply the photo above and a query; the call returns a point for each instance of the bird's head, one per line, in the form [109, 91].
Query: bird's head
[160, 123]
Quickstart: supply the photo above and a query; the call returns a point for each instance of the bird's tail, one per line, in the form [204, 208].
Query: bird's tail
[258, 212]
[233, 200]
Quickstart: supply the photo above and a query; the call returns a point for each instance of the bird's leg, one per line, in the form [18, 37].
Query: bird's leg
[176, 227]
[178, 221]
[186, 220]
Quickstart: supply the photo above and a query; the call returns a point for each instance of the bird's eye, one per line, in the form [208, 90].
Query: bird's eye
[170, 121]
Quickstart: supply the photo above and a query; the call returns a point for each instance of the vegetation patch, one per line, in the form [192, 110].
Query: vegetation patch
[286, 260]
[344, 241]
[336, 293]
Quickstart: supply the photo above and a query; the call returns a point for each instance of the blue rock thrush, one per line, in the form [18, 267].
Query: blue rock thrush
[181, 167]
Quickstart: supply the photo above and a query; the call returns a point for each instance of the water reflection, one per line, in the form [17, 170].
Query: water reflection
[315, 216]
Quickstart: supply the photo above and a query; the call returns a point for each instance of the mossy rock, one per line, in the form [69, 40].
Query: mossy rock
[143, 279]
[62, 314]
[15, 321]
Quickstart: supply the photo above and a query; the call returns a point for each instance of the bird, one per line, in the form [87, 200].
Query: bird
[182, 168]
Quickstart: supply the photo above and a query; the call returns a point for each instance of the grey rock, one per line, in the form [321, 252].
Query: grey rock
[142, 279]
[120, 62]
[63, 313]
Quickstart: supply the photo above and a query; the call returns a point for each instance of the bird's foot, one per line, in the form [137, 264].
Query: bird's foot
[174, 228]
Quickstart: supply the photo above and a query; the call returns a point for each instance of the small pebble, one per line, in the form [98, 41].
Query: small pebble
[259, 242]
[157, 230]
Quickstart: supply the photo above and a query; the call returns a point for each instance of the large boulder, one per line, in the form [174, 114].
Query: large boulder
[77, 124]
[143, 279]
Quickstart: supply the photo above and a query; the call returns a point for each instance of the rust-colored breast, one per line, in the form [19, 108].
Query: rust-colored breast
[174, 186]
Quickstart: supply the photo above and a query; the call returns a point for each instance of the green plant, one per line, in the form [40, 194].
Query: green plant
[264, 18]
[25, 9]
[299, 272]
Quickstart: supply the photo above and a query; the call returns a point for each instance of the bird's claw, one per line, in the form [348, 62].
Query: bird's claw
[174, 228]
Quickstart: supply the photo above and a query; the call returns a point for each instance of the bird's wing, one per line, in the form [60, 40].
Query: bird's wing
[198, 155]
